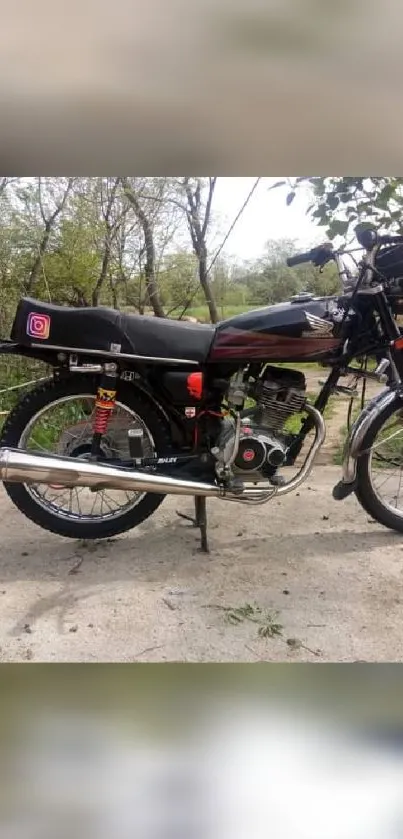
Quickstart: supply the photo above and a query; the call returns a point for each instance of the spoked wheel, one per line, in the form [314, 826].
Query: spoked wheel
[380, 469]
[56, 418]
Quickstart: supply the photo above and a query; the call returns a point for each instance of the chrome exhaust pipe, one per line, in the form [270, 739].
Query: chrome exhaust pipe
[264, 493]
[21, 467]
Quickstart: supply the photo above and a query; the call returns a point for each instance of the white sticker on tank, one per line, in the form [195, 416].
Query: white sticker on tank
[116, 348]
[319, 328]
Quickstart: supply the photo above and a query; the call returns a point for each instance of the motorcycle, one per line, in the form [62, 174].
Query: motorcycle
[139, 407]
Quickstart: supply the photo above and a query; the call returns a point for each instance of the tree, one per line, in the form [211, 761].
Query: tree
[51, 201]
[112, 214]
[72, 265]
[134, 189]
[199, 194]
[130, 252]
[177, 278]
[4, 183]
[340, 203]
[271, 281]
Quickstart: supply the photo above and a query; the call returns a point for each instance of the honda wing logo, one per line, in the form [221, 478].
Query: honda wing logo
[319, 327]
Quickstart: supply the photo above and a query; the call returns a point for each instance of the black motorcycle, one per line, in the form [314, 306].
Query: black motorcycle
[141, 407]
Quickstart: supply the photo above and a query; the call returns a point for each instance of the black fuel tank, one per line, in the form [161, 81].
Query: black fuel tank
[303, 329]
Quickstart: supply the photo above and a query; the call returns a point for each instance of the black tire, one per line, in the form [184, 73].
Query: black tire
[365, 493]
[44, 395]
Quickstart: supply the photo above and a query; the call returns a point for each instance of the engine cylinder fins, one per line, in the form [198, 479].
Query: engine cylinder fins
[279, 394]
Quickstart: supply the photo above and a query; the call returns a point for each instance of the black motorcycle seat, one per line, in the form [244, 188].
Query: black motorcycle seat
[108, 330]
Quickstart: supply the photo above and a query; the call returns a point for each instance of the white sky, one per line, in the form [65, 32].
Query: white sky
[265, 217]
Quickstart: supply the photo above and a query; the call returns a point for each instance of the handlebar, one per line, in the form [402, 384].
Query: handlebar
[369, 239]
[319, 256]
[322, 254]
[299, 259]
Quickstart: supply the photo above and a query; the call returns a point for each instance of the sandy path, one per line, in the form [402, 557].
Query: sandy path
[332, 576]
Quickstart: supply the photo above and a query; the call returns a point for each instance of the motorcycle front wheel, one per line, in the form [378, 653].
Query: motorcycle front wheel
[380, 469]
[56, 418]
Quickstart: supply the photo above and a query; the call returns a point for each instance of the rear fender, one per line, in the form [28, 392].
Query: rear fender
[9, 347]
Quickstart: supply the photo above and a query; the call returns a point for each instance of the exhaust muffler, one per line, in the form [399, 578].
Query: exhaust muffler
[21, 467]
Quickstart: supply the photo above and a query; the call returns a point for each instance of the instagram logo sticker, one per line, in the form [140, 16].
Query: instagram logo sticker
[38, 326]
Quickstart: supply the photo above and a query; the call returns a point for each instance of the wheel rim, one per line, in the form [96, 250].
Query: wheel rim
[65, 428]
[386, 464]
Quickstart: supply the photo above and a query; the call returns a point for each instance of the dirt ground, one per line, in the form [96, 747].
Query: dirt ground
[332, 576]
[322, 579]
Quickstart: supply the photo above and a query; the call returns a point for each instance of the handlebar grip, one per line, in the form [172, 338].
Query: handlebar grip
[299, 259]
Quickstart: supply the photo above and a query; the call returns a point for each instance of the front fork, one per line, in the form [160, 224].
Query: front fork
[104, 405]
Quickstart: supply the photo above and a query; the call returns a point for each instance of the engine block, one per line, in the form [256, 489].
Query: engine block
[279, 394]
[262, 447]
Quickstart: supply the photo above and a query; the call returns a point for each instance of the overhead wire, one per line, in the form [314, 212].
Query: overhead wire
[226, 237]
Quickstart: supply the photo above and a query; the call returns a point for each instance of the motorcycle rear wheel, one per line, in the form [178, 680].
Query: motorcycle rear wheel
[47, 510]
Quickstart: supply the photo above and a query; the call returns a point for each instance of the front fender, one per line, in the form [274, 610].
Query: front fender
[363, 422]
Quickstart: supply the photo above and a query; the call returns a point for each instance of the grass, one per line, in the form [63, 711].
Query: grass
[267, 621]
[304, 366]
[394, 446]
[293, 424]
[224, 312]
[338, 456]
[48, 431]
[49, 428]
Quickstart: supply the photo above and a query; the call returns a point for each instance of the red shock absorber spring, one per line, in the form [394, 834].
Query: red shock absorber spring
[101, 420]
[104, 405]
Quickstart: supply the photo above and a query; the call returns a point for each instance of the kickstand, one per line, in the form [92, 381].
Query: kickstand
[200, 521]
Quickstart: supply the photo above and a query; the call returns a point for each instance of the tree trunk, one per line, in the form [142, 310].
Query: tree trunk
[206, 286]
[34, 273]
[110, 231]
[103, 273]
[149, 270]
[114, 292]
[149, 266]
[198, 231]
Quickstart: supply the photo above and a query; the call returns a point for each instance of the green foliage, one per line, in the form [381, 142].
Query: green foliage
[178, 280]
[268, 622]
[271, 281]
[72, 266]
[340, 203]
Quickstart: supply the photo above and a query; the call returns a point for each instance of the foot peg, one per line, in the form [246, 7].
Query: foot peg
[278, 481]
[340, 390]
[343, 490]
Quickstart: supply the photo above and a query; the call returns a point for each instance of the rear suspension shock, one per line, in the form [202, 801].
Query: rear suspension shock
[104, 405]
